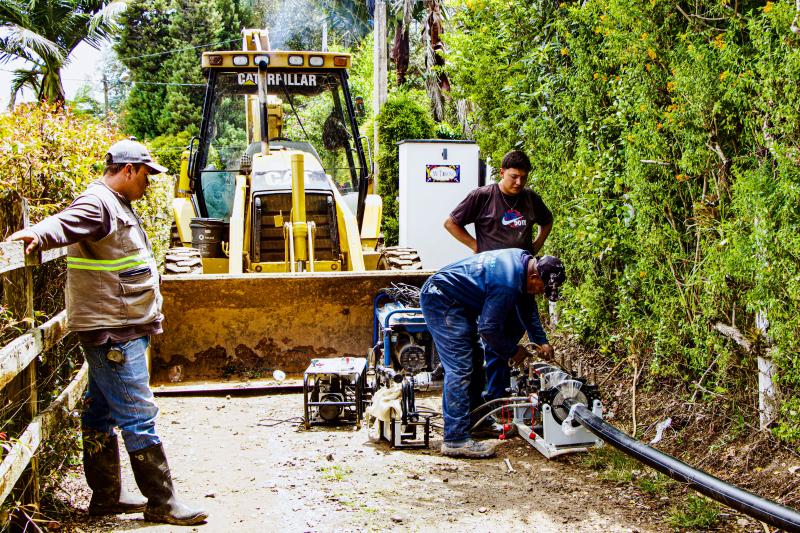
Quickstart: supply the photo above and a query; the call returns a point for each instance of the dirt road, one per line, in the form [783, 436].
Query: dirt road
[251, 477]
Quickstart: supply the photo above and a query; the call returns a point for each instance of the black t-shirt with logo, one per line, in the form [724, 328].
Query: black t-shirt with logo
[502, 221]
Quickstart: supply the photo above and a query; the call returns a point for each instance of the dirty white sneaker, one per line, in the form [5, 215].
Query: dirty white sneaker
[469, 448]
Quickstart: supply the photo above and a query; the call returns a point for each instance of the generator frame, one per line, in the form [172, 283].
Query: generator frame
[402, 432]
[356, 377]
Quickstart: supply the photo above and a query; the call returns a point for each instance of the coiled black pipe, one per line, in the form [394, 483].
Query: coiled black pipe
[767, 511]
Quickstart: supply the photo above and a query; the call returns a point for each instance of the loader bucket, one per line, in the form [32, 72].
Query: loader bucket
[230, 328]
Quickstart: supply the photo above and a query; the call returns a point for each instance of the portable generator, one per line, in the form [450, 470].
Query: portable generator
[402, 358]
[400, 339]
[334, 391]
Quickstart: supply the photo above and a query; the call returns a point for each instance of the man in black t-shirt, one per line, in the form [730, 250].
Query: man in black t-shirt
[504, 214]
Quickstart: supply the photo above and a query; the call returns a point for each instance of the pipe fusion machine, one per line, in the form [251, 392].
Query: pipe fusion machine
[403, 352]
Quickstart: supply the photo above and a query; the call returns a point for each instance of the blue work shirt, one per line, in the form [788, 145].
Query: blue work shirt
[493, 285]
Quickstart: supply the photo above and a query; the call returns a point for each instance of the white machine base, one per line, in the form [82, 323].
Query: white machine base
[553, 441]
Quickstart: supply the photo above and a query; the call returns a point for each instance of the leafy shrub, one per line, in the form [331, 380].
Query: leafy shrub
[402, 117]
[446, 131]
[667, 148]
[49, 157]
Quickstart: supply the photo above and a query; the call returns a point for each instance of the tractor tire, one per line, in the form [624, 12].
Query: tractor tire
[183, 261]
[399, 258]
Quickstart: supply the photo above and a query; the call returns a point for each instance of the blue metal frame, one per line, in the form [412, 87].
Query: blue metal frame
[387, 331]
[412, 324]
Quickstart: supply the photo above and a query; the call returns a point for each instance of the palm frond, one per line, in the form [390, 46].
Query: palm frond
[406, 9]
[22, 78]
[17, 40]
[11, 50]
[104, 22]
[11, 12]
[347, 17]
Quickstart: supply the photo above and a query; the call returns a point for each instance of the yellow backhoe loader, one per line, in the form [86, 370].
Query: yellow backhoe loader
[278, 226]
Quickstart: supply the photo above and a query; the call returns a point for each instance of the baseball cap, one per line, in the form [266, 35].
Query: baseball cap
[553, 274]
[128, 151]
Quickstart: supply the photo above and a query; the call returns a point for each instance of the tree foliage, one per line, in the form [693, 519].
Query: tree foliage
[666, 139]
[160, 45]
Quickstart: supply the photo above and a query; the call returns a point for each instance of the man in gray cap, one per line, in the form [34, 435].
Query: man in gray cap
[114, 304]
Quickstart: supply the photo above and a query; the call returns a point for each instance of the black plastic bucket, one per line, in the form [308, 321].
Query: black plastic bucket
[208, 235]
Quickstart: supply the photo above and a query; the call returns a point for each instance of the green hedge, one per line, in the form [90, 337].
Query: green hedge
[403, 116]
[666, 139]
[49, 156]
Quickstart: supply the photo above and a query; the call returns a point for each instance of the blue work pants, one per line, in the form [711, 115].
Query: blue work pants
[455, 332]
[119, 394]
[498, 373]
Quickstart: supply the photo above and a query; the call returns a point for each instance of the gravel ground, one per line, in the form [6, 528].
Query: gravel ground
[251, 477]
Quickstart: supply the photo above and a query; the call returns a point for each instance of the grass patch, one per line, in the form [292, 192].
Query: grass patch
[355, 505]
[654, 482]
[696, 513]
[612, 465]
[615, 466]
[336, 472]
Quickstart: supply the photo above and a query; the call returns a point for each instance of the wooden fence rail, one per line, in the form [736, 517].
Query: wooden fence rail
[18, 359]
[15, 462]
[18, 354]
[12, 256]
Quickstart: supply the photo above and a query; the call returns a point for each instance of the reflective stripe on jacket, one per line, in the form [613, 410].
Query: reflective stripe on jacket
[112, 282]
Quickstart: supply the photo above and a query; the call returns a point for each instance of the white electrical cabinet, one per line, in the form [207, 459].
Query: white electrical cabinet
[435, 175]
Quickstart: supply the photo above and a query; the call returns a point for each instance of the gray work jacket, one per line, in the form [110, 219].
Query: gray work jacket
[113, 281]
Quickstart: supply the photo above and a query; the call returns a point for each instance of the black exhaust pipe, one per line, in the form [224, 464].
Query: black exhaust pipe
[769, 512]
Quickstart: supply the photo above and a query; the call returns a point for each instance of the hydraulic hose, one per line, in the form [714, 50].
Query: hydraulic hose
[493, 411]
[509, 400]
[757, 507]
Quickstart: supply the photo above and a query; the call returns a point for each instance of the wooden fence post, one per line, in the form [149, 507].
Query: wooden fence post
[18, 299]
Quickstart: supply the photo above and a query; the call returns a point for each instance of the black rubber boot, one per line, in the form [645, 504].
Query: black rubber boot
[152, 474]
[101, 466]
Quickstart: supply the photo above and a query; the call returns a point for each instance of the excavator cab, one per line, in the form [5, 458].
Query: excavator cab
[265, 113]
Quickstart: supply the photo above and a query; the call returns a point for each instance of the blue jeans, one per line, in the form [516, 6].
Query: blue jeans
[498, 373]
[119, 394]
[455, 332]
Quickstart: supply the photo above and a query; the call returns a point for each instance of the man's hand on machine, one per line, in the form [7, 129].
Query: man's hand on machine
[523, 353]
[547, 351]
[519, 357]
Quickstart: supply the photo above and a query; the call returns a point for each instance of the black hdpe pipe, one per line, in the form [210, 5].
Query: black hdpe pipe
[767, 511]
